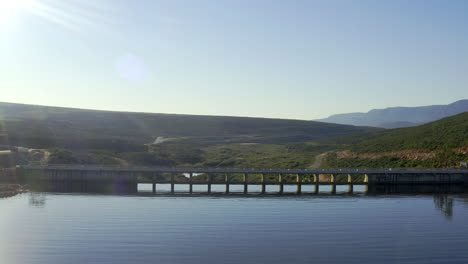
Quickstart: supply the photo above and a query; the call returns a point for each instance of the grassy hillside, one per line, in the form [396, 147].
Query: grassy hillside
[443, 143]
[77, 136]
[46, 127]
[450, 132]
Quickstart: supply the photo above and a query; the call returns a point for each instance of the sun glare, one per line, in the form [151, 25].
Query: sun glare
[10, 8]
[73, 15]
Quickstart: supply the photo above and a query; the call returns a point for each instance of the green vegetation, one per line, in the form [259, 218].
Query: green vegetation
[447, 139]
[447, 133]
[76, 136]
[442, 159]
[257, 155]
[180, 154]
[77, 129]
[61, 156]
[8, 190]
[6, 161]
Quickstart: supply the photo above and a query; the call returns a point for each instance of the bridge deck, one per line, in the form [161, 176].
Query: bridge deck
[130, 177]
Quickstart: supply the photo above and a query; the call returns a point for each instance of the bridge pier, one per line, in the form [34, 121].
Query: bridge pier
[280, 182]
[226, 179]
[333, 180]
[190, 183]
[153, 182]
[172, 183]
[209, 183]
[262, 181]
[298, 184]
[246, 184]
[350, 184]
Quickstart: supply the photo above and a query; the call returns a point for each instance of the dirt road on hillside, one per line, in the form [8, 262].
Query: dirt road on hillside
[318, 161]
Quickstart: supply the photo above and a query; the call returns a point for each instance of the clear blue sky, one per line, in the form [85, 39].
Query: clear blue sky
[288, 59]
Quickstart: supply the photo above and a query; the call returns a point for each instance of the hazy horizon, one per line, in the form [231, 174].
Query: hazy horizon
[146, 112]
[275, 59]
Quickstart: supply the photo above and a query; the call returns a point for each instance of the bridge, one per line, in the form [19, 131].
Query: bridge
[130, 177]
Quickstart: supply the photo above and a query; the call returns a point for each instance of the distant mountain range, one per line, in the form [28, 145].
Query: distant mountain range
[395, 117]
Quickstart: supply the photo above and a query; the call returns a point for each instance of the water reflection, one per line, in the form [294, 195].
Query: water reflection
[84, 187]
[219, 189]
[59, 224]
[417, 189]
[444, 204]
[37, 199]
[442, 201]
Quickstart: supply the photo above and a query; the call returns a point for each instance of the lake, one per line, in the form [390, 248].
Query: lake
[45, 227]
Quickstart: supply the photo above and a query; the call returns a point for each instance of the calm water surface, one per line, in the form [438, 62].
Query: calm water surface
[84, 228]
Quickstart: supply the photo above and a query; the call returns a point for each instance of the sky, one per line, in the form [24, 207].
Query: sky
[297, 59]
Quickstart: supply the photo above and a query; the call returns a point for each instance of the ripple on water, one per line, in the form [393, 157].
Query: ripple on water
[51, 228]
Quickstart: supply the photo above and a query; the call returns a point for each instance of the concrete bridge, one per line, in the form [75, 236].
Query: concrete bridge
[131, 177]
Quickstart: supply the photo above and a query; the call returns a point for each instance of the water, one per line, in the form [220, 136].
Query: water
[239, 188]
[91, 228]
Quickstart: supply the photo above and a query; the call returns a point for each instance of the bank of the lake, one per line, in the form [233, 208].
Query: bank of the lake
[8, 190]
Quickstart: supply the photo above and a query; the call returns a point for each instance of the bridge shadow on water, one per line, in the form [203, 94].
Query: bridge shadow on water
[442, 194]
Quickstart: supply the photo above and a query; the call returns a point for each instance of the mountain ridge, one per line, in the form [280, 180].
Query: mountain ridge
[394, 117]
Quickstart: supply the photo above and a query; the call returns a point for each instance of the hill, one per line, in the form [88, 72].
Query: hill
[43, 127]
[441, 143]
[79, 136]
[395, 117]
